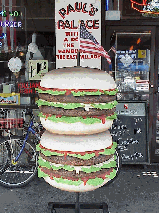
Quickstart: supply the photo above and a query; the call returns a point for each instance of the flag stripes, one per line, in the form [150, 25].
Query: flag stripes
[88, 44]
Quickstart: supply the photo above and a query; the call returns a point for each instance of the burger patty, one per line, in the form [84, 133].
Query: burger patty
[73, 174]
[76, 161]
[77, 99]
[76, 112]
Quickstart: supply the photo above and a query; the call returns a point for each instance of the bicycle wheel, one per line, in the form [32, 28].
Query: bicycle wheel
[4, 155]
[25, 169]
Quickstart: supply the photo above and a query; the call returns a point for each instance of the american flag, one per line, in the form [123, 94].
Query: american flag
[88, 44]
[113, 48]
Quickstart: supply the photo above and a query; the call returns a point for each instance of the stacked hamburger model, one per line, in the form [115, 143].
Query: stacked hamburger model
[77, 108]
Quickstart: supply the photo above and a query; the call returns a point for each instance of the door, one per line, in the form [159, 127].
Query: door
[136, 73]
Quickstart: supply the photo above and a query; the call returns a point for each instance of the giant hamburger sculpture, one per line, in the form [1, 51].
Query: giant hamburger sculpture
[77, 107]
[77, 101]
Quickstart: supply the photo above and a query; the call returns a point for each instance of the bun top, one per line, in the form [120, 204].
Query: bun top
[78, 78]
[76, 143]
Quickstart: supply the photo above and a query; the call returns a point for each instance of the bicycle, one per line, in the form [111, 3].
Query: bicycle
[18, 156]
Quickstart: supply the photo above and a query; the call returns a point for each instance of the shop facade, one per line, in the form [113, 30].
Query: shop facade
[134, 67]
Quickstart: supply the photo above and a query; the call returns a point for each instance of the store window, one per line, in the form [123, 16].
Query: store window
[132, 65]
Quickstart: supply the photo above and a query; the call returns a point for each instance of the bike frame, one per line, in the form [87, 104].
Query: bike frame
[30, 129]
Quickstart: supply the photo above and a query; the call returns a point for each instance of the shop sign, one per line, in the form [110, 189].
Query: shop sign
[12, 19]
[69, 15]
[37, 69]
[9, 98]
[28, 87]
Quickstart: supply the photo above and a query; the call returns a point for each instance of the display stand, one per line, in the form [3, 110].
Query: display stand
[77, 205]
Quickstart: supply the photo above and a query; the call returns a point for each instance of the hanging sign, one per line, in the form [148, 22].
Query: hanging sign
[37, 69]
[68, 15]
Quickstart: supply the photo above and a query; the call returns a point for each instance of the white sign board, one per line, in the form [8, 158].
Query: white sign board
[68, 15]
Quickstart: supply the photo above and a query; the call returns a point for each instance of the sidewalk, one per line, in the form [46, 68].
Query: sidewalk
[134, 191]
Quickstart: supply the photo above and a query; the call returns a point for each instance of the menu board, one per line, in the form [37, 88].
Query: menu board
[130, 132]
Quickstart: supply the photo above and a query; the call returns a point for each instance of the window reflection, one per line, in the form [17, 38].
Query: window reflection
[132, 65]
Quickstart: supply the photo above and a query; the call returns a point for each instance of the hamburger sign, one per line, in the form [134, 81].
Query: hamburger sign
[69, 16]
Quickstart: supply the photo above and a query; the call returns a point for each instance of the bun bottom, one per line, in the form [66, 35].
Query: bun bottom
[75, 128]
[73, 188]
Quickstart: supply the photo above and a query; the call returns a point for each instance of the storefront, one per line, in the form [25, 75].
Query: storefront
[135, 69]
[134, 66]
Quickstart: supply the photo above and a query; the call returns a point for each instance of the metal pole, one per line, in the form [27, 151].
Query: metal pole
[77, 206]
[78, 58]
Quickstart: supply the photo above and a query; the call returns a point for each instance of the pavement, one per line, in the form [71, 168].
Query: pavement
[135, 190]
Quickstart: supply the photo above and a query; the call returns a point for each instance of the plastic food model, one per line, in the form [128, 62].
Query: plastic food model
[77, 107]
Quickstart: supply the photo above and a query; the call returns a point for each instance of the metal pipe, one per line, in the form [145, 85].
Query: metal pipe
[77, 206]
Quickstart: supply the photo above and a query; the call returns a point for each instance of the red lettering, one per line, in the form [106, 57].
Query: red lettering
[68, 56]
[95, 24]
[67, 25]
[67, 33]
[82, 56]
[61, 24]
[61, 51]
[19, 85]
[25, 91]
[72, 25]
[90, 24]
[24, 85]
[70, 45]
[87, 26]
[69, 9]
[30, 91]
[33, 85]
[78, 7]
[74, 39]
[84, 8]
[37, 84]
[62, 12]
[65, 40]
